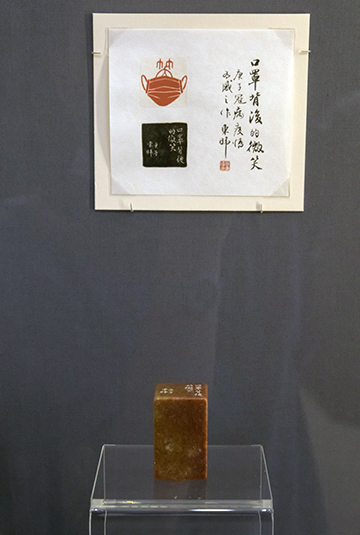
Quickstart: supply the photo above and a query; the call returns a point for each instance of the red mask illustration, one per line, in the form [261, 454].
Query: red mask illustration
[163, 89]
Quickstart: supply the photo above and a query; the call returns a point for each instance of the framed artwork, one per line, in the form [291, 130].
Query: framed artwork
[200, 112]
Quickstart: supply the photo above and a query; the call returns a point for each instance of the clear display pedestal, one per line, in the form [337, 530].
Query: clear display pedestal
[235, 499]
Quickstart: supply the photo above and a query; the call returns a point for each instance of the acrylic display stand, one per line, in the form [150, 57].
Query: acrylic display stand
[235, 499]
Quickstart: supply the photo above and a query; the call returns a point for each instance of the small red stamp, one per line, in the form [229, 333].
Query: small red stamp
[224, 165]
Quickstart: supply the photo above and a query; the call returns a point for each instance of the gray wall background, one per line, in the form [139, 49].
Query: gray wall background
[97, 307]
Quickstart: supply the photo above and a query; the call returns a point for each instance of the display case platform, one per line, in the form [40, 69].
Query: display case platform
[235, 499]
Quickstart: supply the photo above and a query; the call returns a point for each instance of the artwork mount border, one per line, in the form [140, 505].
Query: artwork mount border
[105, 200]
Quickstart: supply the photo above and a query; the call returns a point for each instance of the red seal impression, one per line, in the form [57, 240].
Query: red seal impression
[224, 165]
[164, 88]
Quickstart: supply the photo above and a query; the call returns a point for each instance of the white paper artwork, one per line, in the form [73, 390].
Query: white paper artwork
[201, 112]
